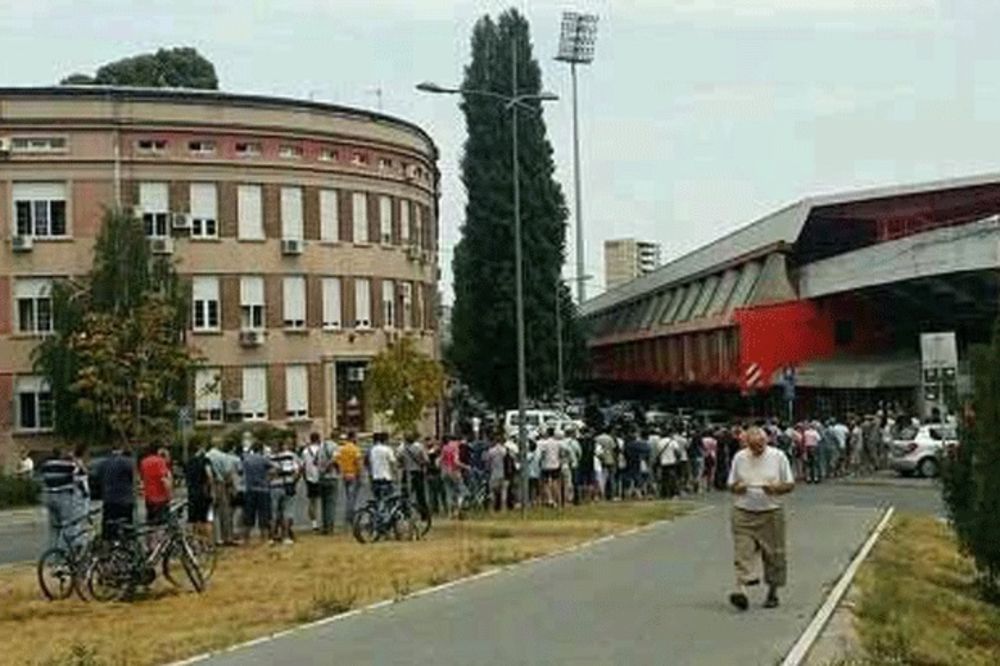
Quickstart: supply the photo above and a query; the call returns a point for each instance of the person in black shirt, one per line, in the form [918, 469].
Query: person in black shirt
[586, 477]
[116, 477]
[198, 478]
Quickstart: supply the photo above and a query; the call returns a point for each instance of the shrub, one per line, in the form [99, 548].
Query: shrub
[17, 491]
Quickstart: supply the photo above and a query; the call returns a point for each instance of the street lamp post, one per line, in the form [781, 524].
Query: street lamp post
[576, 46]
[561, 385]
[511, 103]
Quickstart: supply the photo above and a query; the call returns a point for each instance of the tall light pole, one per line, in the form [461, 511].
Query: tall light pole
[511, 103]
[576, 46]
[561, 380]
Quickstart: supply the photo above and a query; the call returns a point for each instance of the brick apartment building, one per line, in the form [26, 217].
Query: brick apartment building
[309, 233]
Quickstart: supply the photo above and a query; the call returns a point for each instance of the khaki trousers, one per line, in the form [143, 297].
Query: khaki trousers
[759, 533]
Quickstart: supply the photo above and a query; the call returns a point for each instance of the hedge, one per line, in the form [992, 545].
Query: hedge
[17, 491]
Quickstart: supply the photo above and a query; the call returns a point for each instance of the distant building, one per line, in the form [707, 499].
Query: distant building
[627, 258]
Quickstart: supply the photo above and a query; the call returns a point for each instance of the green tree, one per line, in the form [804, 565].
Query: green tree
[403, 382]
[483, 325]
[181, 67]
[970, 473]
[117, 361]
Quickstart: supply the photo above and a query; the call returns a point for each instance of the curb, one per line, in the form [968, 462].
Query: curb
[437, 588]
[797, 655]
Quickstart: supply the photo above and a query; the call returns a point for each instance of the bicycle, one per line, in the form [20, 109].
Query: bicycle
[63, 567]
[130, 563]
[394, 516]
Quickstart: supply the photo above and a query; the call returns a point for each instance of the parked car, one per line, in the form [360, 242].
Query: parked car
[920, 449]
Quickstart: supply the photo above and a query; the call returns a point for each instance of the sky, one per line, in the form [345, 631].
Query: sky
[696, 116]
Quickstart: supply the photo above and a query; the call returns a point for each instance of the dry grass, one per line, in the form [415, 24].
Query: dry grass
[919, 604]
[260, 590]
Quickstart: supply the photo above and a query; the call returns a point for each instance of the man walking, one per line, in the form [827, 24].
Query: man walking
[157, 485]
[198, 479]
[760, 474]
[311, 474]
[348, 462]
[225, 468]
[257, 473]
[328, 472]
[495, 459]
[413, 458]
[381, 467]
[59, 481]
[116, 478]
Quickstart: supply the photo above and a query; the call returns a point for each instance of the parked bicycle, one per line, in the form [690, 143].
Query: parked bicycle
[393, 517]
[131, 562]
[62, 569]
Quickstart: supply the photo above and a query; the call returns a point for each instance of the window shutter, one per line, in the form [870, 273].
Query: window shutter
[296, 391]
[385, 219]
[204, 201]
[255, 393]
[362, 303]
[404, 221]
[39, 191]
[359, 205]
[331, 303]
[154, 197]
[207, 389]
[32, 288]
[250, 213]
[291, 213]
[251, 290]
[294, 299]
[329, 215]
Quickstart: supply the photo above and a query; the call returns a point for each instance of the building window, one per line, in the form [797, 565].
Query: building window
[362, 303]
[294, 302]
[418, 313]
[329, 215]
[359, 158]
[207, 396]
[385, 219]
[154, 202]
[296, 392]
[384, 164]
[291, 213]
[247, 149]
[406, 289]
[34, 404]
[205, 292]
[249, 213]
[40, 209]
[204, 211]
[331, 303]
[34, 305]
[404, 222]
[328, 155]
[290, 152]
[151, 146]
[388, 304]
[251, 303]
[254, 394]
[201, 147]
[38, 144]
[418, 226]
[360, 206]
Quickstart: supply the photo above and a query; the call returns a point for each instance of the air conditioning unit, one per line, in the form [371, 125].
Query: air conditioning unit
[4, 146]
[22, 243]
[291, 246]
[251, 338]
[161, 245]
[233, 409]
[413, 253]
[134, 212]
[180, 221]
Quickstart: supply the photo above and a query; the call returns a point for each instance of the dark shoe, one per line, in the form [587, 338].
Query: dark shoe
[739, 600]
[753, 582]
[772, 600]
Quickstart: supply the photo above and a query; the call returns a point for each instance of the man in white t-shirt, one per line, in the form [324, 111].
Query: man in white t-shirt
[759, 475]
[550, 452]
[310, 472]
[381, 466]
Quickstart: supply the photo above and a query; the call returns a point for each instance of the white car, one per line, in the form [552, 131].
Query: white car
[921, 453]
[536, 420]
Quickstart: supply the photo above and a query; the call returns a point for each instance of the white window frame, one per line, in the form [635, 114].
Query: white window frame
[208, 395]
[328, 155]
[385, 219]
[406, 290]
[151, 146]
[41, 392]
[33, 207]
[201, 147]
[36, 295]
[254, 401]
[250, 212]
[205, 304]
[154, 202]
[247, 149]
[292, 224]
[388, 304]
[39, 144]
[359, 159]
[404, 221]
[418, 226]
[290, 152]
[204, 214]
[252, 303]
[359, 210]
[296, 392]
[329, 215]
[293, 303]
[362, 303]
[418, 304]
[332, 304]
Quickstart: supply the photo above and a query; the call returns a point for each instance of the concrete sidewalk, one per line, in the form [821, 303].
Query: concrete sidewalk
[657, 597]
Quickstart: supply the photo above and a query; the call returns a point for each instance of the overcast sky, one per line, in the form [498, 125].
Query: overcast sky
[697, 116]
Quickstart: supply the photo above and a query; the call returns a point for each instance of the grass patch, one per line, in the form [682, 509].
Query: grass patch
[260, 590]
[918, 600]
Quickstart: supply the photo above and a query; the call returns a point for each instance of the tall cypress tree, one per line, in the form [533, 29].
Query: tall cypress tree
[483, 320]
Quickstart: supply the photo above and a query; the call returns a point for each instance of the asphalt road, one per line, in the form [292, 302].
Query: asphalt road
[656, 597]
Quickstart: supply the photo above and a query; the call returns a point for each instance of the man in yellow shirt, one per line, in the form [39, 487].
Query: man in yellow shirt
[348, 459]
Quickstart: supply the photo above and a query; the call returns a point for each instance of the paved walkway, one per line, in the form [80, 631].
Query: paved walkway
[657, 597]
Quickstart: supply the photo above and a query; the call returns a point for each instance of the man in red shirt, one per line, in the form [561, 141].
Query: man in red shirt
[157, 483]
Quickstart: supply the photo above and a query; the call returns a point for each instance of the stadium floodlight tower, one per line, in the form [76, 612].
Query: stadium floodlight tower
[576, 46]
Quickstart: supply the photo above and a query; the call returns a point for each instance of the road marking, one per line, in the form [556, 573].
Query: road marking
[437, 588]
[800, 650]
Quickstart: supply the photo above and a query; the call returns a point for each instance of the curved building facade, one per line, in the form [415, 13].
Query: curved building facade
[309, 233]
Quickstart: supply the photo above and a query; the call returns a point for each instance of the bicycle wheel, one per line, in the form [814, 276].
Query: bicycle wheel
[109, 576]
[405, 528]
[204, 552]
[365, 528]
[55, 574]
[191, 567]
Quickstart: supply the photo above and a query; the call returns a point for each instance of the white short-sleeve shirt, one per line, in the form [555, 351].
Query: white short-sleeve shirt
[755, 472]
